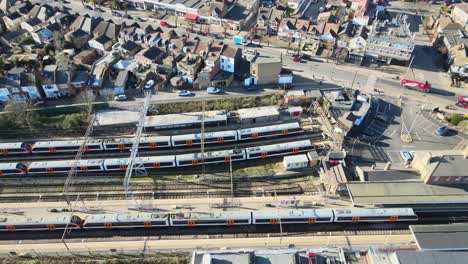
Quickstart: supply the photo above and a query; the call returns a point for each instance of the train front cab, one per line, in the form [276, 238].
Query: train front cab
[12, 149]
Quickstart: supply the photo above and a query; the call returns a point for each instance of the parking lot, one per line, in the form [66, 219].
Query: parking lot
[381, 142]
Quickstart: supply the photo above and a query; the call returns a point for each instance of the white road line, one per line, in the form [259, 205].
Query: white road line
[389, 157]
[393, 133]
[417, 135]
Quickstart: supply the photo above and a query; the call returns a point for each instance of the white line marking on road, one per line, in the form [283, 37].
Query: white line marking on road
[393, 133]
[417, 135]
[390, 157]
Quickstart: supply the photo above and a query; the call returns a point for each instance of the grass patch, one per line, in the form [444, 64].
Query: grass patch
[261, 170]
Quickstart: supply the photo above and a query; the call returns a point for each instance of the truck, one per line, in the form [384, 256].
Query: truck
[415, 85]
[462, 102]
[242, 38]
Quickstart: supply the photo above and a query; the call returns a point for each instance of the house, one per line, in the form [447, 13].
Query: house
[43, 35]
[9, 89]
[229, 58]
[102, 44]
[22, 8]
[359, 7]
[78, 38]
[293, 29]
[357, 44]
[14, 38]
[149, 56]
[86, 24]
[12, 20]
[188, 67]
[61, 80]
[219, 8]
[121, 82]
[460, 14]
[268, 20]
[79, 80]
[31, 25]
[5, 6]
[129, 49]
[86, 57]
[108, 29]
[264, 69]
[28, 86]
[48, 83]
[41, 12]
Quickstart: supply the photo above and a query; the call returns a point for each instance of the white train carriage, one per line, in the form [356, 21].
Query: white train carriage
[294, 147]
[12, 168]
[153, 162]
[221, 156]
[356, 215]
[218, 218]
[309, 216]
[49, 222]
[210, 138]
[66, 146]
[125, 220]
[64, 166]
[269, 131]
[14, 148]
[146, 142]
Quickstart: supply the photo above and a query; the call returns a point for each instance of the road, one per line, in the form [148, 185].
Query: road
[154, 246]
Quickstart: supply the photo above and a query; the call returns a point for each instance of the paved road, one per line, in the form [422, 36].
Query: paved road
[154, 246]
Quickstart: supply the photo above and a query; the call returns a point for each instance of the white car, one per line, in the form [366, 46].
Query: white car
[120, 97]
[212, 90]
[149, 84]
[184, 93]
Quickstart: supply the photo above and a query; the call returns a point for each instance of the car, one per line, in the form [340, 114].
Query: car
[441, 131]
[184, 93]
[212, 90]
[312, 258]
[149, 84]
[120, 97]
[383, 118]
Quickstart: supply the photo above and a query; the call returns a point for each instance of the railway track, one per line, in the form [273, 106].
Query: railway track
[314, 136]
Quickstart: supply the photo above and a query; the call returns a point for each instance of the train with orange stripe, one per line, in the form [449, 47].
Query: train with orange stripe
[157, 162]
[59, 221]
[149, 142]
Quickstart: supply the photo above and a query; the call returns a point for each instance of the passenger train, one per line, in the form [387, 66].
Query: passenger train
[156, 162]
[150, 142]
[53, 222]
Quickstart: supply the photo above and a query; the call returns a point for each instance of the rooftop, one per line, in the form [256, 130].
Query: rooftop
[441, 237]
[258, 112]
[406, 193]
[184, 119]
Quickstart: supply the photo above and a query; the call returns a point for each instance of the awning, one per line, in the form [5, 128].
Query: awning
[190, 16]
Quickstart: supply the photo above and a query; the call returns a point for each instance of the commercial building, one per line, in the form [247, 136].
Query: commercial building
[452, 237]
[390, 40]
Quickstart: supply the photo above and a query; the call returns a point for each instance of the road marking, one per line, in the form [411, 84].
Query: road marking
[393, 133]
[408, 146]
[417, 135]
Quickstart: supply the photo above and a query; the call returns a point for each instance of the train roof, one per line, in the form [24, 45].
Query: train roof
[285, 214]
[213, 154]
[27, 220]
[152, 159]
[143, 139]
[231, 215]
[12, 145]
[8, 166]
[128, 217]
[47, 144]
[207, 135]
[373, 212]
[277, 127]
[288, 145]
[64, 163]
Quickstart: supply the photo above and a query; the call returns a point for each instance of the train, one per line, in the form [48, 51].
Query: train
[156, 162]
[130, 220]
[149, 142]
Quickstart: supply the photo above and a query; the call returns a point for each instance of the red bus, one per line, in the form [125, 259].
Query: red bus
[415, 85]
[462, 101]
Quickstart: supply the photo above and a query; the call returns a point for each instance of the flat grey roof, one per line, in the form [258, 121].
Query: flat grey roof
[258, 112]
[406, 193]
[424, 257]
[451, 165]
[441, 237]
[392, 175]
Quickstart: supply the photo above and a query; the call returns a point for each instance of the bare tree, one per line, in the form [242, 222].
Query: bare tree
[86, 100]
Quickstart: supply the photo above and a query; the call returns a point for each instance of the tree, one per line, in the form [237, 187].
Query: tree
[455, 119]
[86, 99]
[115, 4]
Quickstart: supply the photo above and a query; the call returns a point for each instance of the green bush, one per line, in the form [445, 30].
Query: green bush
[455, 119]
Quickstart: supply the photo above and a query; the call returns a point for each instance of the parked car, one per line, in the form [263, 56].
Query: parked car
[120, 97]
[441, 131]
[184, 93]
[212, 90]
[149, 84]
